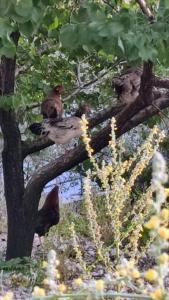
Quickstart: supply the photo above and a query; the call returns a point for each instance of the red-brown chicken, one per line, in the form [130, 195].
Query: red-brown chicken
[52, 106]
[48, 215]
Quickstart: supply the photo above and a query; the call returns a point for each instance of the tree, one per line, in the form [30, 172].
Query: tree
[104, 33]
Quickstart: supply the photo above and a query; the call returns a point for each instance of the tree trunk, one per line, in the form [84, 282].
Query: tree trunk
[13, 183]
[20, 237]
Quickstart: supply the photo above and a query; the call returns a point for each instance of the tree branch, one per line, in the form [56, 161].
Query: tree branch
[147, 112]
[161, 82]
[145, 9]
[73, 157]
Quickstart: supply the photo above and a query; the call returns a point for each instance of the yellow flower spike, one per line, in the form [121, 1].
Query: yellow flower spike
[44, 264]
[164, 214]
[39, 292]
[164, 258]
[157, 294]
[135, 274]
[46, 281]
[122, 272]
[109, 168]
[166, 192]
[57, 275]
[62, 288]
[57, 262]
[8, 296]
[151, 275]
[78, 281]
[100, 285]
[163, 232]
[153, 223]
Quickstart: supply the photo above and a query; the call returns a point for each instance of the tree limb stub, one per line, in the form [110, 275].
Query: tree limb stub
[145, 93]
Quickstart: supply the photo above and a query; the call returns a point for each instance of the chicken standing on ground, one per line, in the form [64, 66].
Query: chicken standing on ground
[52, 106]
[61, 132]
[48, 215]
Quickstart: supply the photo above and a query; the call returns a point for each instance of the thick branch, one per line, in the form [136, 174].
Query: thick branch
[147, 112]
[161, 82]
[73, 157]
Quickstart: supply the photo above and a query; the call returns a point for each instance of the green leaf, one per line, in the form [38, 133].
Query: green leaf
[24, 8]
[116, 28]
[82, 16]
[54, 34]
[5, 27]
[37, 14]
[147, 53]
[164, 4]
[69, 36]
[26, 28]
[55, 24]
[86, 48]
[19, 19]
[120, 44]
[8, 49]
[4, 7]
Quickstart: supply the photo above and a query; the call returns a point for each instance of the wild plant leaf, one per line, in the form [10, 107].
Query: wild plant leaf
[4, 7]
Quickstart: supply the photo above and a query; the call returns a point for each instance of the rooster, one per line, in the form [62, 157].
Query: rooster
[48, 215]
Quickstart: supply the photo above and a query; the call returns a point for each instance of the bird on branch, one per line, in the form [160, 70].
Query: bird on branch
[127, 85]
[61, 132]
[52, 106]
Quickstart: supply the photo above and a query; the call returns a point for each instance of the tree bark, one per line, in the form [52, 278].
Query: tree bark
[13, 183]
[19, 237]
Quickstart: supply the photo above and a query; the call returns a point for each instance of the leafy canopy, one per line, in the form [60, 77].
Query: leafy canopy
[124, 31]
[57, 36]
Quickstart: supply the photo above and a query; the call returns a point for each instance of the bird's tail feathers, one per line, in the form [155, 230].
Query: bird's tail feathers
[36, 128]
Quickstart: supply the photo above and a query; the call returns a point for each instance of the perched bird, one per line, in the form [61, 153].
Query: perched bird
[52, 106]
[127, 85]
[61, 132]
[48, 215]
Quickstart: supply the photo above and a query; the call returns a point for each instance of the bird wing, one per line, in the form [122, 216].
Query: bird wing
[61, 132]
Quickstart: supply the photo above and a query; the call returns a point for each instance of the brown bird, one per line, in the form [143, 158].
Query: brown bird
[52, 106]
[48, 215]
[61, 132]
[127, 85]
